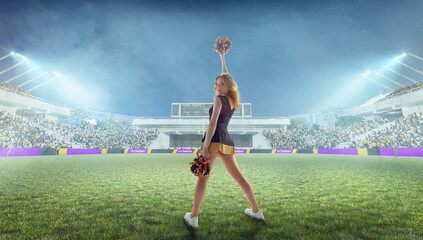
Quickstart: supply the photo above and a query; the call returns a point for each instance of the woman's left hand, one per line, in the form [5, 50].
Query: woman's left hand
[206, 154]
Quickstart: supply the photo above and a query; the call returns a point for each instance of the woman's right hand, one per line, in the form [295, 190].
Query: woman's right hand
[206, 154]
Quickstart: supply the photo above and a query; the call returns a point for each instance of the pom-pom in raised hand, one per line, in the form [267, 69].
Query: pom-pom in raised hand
[222, 45]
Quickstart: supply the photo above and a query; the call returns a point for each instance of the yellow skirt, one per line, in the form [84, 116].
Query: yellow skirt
[220, 147]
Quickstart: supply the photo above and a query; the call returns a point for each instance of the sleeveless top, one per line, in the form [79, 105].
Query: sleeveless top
[221, 140]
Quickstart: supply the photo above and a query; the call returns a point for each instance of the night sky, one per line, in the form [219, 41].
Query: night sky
[137, 57]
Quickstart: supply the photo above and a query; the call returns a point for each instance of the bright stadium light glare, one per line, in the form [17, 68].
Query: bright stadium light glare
[56, 73]
[354, 84]
[400, 56]
[21, 56]
[366, 73]
[13, 53]
[68, 86]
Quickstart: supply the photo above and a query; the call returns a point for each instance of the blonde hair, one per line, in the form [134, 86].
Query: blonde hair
[232, 88]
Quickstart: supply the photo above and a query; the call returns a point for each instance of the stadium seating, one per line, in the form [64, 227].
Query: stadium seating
[403, 132]
[42, 133]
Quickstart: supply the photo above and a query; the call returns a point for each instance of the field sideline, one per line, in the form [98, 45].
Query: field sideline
[145, 196]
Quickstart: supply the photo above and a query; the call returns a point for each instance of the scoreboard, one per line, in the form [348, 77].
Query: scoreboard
[200, 110]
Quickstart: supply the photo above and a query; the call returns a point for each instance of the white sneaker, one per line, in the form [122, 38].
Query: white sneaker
[257, 215]
[193, 222]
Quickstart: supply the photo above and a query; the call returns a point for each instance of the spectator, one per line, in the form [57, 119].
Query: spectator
[403, 91]
[17, 90]
[406, 132]
[17, 132]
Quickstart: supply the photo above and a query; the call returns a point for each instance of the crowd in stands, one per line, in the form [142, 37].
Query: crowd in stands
[404, 90]
[18, 132]
[17, 90]
[404, 132]
[90, 137]
[318, 137]
[15, 132]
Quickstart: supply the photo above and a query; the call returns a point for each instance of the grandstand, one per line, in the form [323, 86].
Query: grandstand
[28, 107]
[189, 120]
[392, 119]
[402, 80]
[18, 79]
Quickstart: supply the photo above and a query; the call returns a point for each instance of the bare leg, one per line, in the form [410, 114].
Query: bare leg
[200, 188]
[231, 165]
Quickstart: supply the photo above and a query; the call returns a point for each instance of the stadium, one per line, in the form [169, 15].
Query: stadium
[69, 171]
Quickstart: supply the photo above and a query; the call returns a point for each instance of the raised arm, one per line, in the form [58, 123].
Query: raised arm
[222, 57]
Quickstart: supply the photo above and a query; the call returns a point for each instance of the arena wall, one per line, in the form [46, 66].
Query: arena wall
[401, 152]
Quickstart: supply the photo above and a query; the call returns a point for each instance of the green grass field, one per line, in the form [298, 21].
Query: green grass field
[136, 196]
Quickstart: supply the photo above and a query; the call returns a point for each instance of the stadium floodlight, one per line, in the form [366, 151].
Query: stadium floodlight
[56, 73]
[13, 53]
[366, 73]
[21, 56]
[400, 56]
